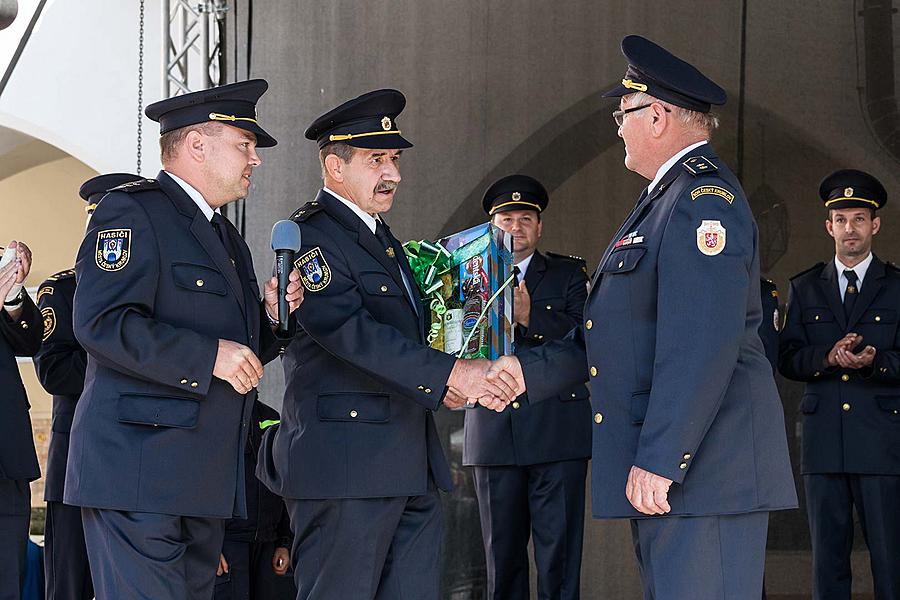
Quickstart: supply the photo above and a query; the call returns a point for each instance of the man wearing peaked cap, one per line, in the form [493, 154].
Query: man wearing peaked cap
[60, 365]
[842, 338]
[530, 461]
[357, 448]
[688, 430]
[168, 308]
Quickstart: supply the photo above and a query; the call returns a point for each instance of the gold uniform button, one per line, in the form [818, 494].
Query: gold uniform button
[515, 405]
[877, 318]
[384, 288]
[421, 387]
[593, 371]
[24, 325]
[816, 374]
[549, 307]
[883, 370]
[817, 317]
[194, 384]
[598, 418]
[687, 456]
[682, 466]
[354, 414]
[427, 390]
[845, 377]
[574, 395]
[200, 283]
[588, 324]
[184, 382]
[845, 407]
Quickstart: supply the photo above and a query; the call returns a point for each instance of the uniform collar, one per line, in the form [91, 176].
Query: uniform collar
[670, 163]
[368, 219]
[859, 269]
[194, 195]
[523, 266]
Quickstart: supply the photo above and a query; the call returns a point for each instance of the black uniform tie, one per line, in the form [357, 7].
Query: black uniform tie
[852, 291]
[390, 249]
[218, 224]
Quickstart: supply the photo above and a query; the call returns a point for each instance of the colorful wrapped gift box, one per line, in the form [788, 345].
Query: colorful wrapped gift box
[467, 281]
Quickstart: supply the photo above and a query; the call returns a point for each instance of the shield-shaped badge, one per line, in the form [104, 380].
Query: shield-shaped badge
[49, 321]
[711, 237]
[314, 270]
[113, 249]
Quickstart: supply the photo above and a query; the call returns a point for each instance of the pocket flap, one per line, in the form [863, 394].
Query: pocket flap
[879, 316]
[379, 284]
[158, 411]
[578, 393]
[198, 278]
[809, 403]
[639, 402]
[622, 261]
[817, 315]
[891, 403]
[361, 407]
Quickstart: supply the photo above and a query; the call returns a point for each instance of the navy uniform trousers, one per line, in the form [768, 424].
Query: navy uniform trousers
[851, 426]
[357, 456]
[530, 461]
[60, 365]
[156, 449]
[696, 405]
[18, 461]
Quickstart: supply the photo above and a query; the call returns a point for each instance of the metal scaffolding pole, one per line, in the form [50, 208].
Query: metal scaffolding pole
[192, 56]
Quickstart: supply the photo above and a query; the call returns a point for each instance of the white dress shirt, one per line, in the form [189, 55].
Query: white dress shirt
[196, 196]
[668, 164]
[523, 266]
[860, 269]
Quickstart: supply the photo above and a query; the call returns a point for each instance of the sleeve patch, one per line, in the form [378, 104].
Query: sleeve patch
[314, 270]
[113, 249]
[712, 190]
[711, 237]
[49, 316]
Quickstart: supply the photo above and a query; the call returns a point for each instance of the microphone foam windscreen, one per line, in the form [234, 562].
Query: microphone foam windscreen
[286, 236]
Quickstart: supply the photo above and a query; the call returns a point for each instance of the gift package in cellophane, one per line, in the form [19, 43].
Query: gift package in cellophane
[467, 282]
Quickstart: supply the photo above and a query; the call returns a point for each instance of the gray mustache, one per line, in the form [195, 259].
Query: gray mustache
[385, 186]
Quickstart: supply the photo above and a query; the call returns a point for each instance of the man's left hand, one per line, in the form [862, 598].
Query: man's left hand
[294, 294]
[522, 304]
[848, 360]
[648, 492]
[281, 560]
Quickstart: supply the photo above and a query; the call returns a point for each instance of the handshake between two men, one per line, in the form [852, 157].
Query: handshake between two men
[493, 384]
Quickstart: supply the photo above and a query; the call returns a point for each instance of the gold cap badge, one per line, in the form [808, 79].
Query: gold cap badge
[516, 196]
[848, 192]
[386, 123]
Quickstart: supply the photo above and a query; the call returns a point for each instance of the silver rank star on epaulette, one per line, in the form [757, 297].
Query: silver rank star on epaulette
[698, 165]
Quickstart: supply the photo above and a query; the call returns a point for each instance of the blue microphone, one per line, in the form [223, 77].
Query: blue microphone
[285, 243]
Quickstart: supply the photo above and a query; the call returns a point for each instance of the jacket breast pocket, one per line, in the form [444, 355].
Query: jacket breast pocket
[354, 407]
[815, 315]
[554, 304]
[879, 316]
[579, 393]
[158, 411]
[809, 403]
[198, 278]
[379, 284]
[623, 261]
[639, 403]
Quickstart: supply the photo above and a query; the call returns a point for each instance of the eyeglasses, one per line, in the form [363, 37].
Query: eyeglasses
[619, 115]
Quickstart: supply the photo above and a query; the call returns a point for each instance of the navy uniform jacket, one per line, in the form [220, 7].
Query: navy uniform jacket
[679, 382]
[361, 385]
[60, 366]
[21, 337]
[154, 431]
[557, 428]
[851, 418]
[771, 320]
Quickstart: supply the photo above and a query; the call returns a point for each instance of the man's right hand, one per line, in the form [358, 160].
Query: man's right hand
[848, 342]
[236, 364]
[473, 379]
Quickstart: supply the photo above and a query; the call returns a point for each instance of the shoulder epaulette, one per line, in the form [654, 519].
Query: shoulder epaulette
[818, 265]
[306, 211]
[67, 274]
[699, 165]
[566, 256]
[892, 265]
[136, 186]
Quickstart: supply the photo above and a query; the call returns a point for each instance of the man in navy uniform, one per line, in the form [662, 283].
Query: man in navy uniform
[356, 456]
[60, 366]
[842, 338]
[531, 461]
[689, 440]
[20, 335]
[771, 320]
[168, 309]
